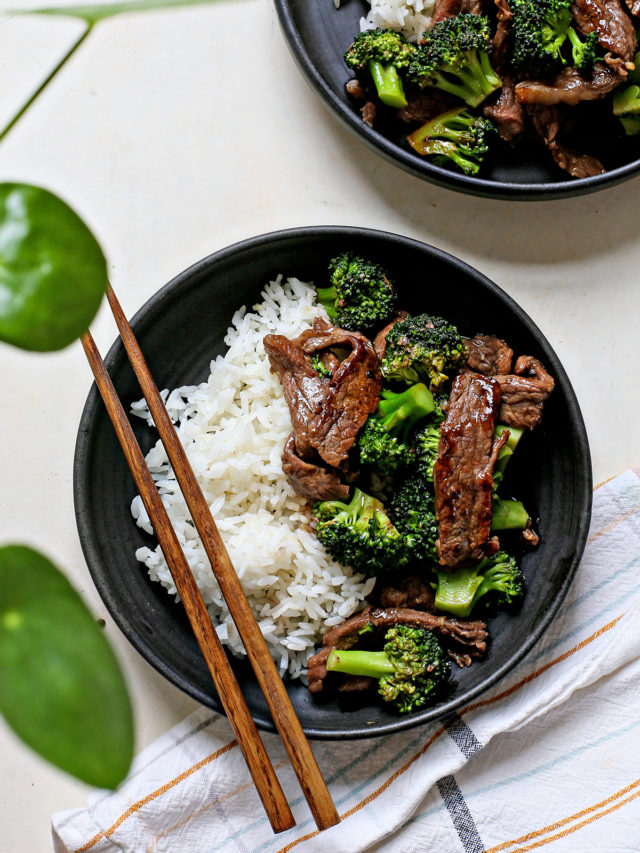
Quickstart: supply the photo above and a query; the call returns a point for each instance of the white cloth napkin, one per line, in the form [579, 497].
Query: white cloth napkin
[548, 757]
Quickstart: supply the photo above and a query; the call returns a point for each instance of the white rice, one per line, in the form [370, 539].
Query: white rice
[233, 428]
[410, 17]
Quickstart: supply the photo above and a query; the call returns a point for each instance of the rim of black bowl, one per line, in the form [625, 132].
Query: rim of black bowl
[507, 190]
[93, 555]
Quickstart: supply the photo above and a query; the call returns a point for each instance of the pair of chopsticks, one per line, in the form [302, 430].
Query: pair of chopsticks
[284, 716]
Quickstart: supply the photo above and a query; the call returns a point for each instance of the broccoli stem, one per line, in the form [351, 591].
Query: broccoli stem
[506, 451]
[405, 408]
[327, 298]
[456, 590]
[508, 515]
[477, 79]
[358, 662]
[388, 84]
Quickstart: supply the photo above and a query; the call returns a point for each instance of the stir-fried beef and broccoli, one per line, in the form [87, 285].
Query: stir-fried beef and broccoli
[491, 72]
[401, 443]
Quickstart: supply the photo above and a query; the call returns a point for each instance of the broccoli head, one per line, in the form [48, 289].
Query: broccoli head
[383, 53]
[412, 668]
[421, 348]
[413, 513]
[454, 57]
[626, 105]
[360, 534]
[457, 137]
[540, 29]
[360, 296]
[496, 582]
[583, 53]
[384, 441]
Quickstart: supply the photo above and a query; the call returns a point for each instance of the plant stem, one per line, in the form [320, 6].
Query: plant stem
[44, 83]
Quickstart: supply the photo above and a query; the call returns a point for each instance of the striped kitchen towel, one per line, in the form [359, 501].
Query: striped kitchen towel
[547, 758]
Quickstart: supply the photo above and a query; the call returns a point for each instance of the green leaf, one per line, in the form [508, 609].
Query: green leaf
[61, 689]
[53, 274]
[94, 12]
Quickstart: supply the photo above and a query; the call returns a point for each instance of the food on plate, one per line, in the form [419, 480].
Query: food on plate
[469, 76]
[424, 434]
[356, 476]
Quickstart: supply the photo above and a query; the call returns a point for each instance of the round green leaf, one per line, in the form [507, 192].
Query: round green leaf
[61, 689]
[53, 274]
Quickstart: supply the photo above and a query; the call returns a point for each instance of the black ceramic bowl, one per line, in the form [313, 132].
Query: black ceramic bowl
[318, 35]
[181, 329]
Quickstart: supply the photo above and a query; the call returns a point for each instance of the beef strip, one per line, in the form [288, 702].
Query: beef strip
[608, 19]
[569, 87]
[304, 389]
[425, 104]
[505, 111]
[368, 113]
[523, 393]
[380, 340]
[546, 123]
[327, 413]
[465, 640]
[451, 8]
[412, 592]
[314, 481]
[500, 43]
[355, 90]
[462, 474]
[488, 355]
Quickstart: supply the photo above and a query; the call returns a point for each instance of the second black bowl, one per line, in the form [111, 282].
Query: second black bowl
[181, 328]
[318, 35]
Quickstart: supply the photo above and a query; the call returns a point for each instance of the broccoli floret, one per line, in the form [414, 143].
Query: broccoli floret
[427, 441]
[508, 515]
[453, 57]
[413, 513]
[496, 581]
[421, 348]
[583, 53]
[540, 30]
[384, 441]
[455, 136]
[411, 669]
[319, 367]
[360, 297]
[383, 53]
[360, 534]
[506, 451]
[626, 105]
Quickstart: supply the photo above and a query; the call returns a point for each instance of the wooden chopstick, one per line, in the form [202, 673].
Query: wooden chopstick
[302, 759]
[255, 754]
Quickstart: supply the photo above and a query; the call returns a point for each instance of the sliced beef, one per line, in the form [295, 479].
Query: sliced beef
[523, 394]
[412, 592]
[380, 340]
[465, 640]
[368, 113]
[425, 104]
[304, 389]
[463, 471]
[314, 481]
[355, 90]
[611, 23]
[500, 43]
[488, 355]
[505, 111]
[546, 123]
[327, 412]
[451, 8]
[570, 87]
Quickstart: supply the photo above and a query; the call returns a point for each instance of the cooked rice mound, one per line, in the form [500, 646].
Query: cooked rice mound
[410, 17]
[233, 428]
